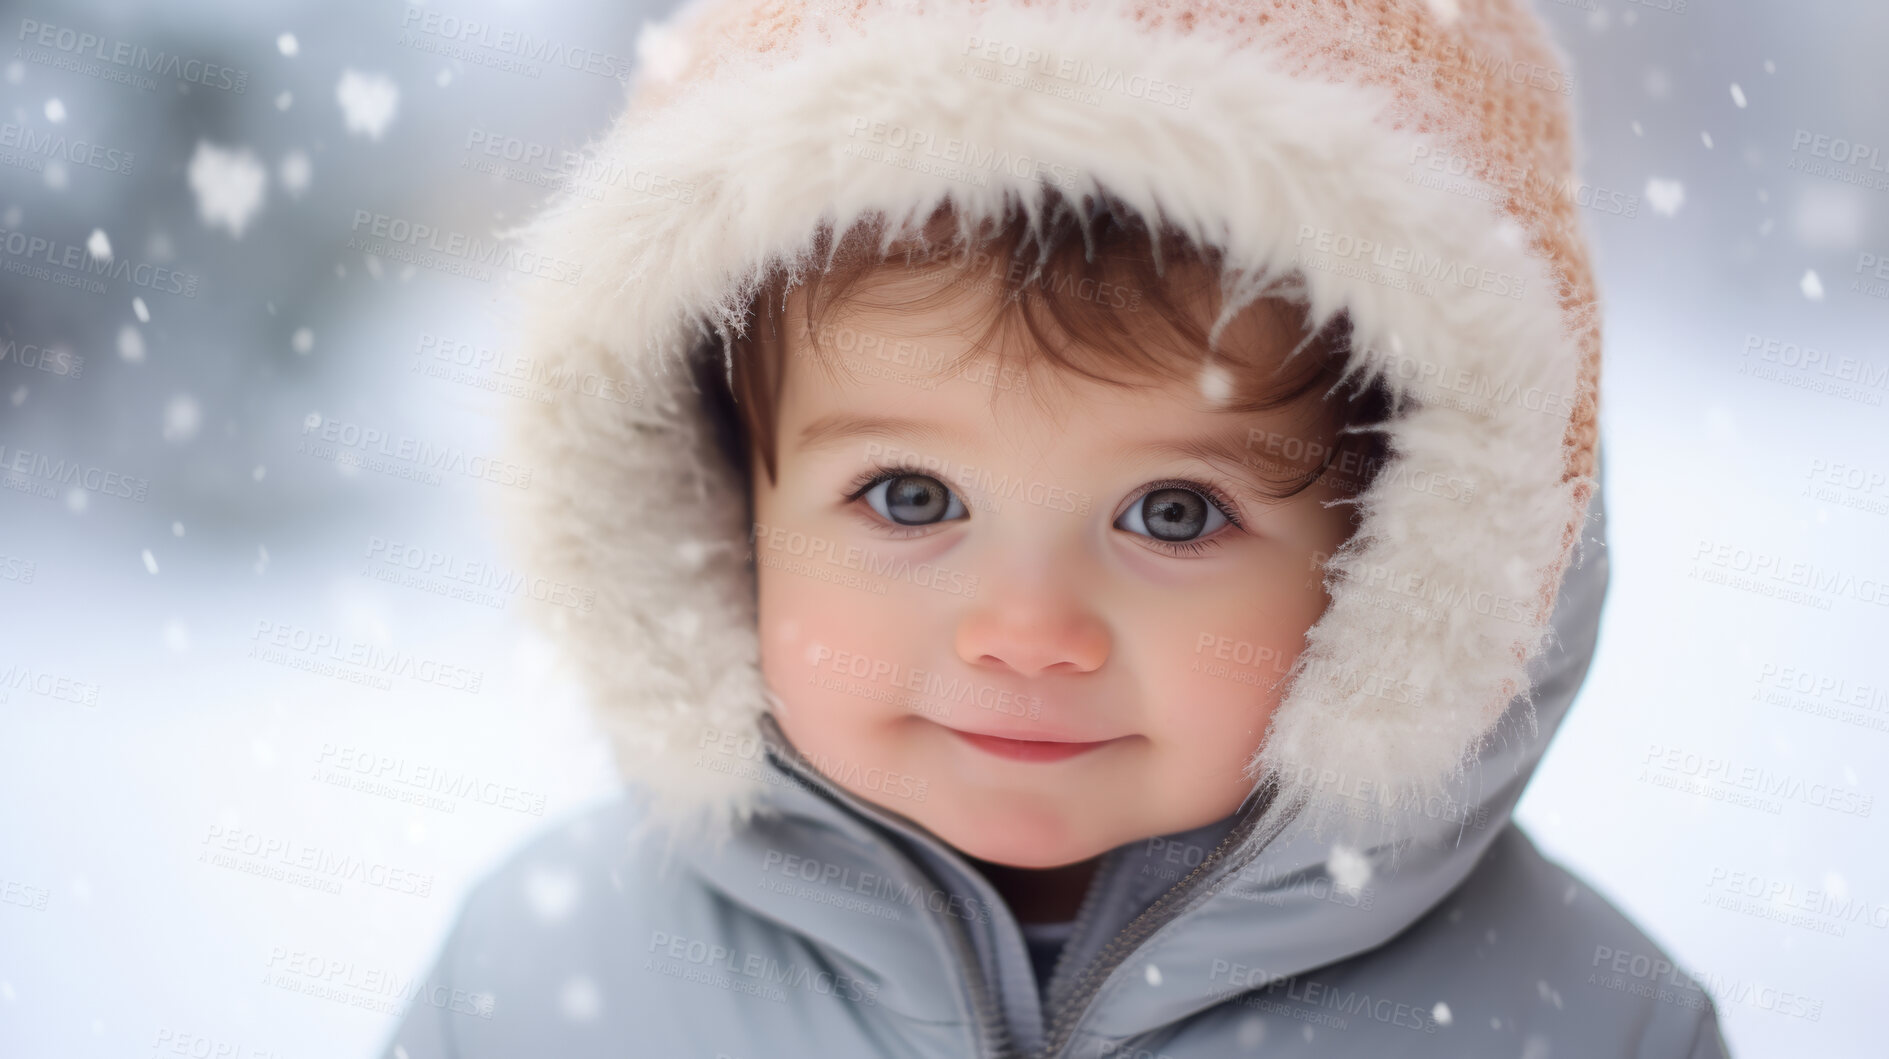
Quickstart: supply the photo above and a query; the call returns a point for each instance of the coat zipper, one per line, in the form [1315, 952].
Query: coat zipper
[1062, 1019]
[1065, 967]
[992, 1030]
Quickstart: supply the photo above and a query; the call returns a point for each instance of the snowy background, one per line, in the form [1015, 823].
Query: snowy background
[157, 721]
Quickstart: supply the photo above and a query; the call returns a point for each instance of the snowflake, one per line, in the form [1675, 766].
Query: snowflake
[368, 102]
[229, 186]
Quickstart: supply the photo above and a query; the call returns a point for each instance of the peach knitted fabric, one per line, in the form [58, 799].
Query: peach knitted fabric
[1478, 75]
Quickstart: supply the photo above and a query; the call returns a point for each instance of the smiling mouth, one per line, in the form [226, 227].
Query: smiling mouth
[1029, 749]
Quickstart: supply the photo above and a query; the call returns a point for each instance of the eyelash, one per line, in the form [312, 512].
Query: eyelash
[1216, 494]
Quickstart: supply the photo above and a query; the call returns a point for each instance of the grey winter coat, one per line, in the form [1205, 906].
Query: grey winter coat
[839, 929]
[1361, 149]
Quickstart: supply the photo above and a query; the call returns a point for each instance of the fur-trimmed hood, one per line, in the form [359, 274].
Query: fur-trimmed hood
[1408, 160]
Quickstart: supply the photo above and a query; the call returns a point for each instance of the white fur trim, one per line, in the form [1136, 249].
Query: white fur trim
[671, 654]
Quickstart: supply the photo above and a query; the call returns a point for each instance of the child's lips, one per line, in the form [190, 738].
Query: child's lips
[1030, 749]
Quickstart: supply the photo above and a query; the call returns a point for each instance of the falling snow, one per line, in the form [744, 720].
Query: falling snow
[1811, 285]
[1216, 384]
[150, 561]
[580, 999]
[551, 892]
[288, 45]
[182, 418]
[302, 340]
[295, 172]
[1441, 1013]
[131, 344]
[55, 110]
[1665, 196]
[368, 102]
[98, 245]
[1350, 869]
[229, 186]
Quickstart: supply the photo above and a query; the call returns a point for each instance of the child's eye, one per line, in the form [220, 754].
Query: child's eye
[1176, 516]
[912, 500]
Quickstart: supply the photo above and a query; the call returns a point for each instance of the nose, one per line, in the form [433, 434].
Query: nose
[1031, 629]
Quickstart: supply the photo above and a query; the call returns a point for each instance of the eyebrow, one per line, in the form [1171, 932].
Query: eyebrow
[841, 426]
[1229, 450]
[1226, 449]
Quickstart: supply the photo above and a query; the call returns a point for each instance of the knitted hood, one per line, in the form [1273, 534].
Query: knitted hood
[1410, 161]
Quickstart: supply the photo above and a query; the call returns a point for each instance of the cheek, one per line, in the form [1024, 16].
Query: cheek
[1218, 660]
[819, 644]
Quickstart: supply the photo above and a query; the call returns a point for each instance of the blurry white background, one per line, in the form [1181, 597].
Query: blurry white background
[161, 734]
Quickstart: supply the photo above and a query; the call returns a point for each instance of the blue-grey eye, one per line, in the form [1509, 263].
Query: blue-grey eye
[1172, 515]
[914, 500]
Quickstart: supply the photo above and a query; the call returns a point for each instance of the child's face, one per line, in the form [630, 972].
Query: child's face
[1121, 643]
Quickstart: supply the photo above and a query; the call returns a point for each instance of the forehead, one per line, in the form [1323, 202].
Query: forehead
[882, 371]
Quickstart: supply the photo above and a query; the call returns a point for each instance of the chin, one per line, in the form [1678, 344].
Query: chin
[1042, 840]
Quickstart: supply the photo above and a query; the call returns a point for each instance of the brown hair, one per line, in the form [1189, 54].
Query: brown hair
[1101, 299]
